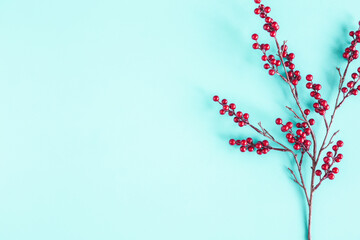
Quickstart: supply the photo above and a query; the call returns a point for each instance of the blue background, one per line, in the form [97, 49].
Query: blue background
[108, 130]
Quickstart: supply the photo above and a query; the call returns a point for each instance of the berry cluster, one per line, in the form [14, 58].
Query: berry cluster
[240, 118]
[270, 25]
[262, 147]
[329, 160]
[299, 137]
[272, 64]
[321, 106]
[351, 88]
[350, 52]
[294, 75]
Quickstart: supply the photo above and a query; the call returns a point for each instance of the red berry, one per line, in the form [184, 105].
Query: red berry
[289, 135]
[257, 1]
[354, 76]
[256, 46]
[224, 101]
[297, 146]
[222, 111]
[326, 159]
[350, 84]
[258, 145]
[329, 154]
[259, 152]
[238, 142]
[265, 143]
[312, 121]
[307, 111]
[239, 114]
[249, 140]
[307, 143]
[289, 124]
[331, 176]
[271, 72]
[216, 98]
[318, 172]
[241, 124]
[335, 170]
[243, 149]
[340, 143]
[344, 90]
[278, 121]
[243, 142]
[232, 141]
[255, 36]
[309, 77]
[273, 34]
[284, 128]
[232, 106]
[257, 11]
[267, 9]
[250, 149]
[335, 148]
[246, 116]
[325, 166]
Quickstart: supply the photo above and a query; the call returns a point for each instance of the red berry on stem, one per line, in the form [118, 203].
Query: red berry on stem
[232, 106]
[246, 116]
[284, 128]
[224, 101]
[258, 145]
[331, 176]
[257, 1]
[340, 143]
[222, 111]
[232, 141]
[307, 111]
[255, 36]
[335, 148]
[312, 121]
[318, 172]
[278, 121]
[216, 98]
[309, 77]
[243, 149]
[297, 146]
[325, 166]
[326, 159]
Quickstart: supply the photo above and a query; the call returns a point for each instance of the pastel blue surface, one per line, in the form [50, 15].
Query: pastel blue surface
[108, 130]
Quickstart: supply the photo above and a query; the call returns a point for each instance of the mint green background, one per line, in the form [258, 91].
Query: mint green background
[108, 130]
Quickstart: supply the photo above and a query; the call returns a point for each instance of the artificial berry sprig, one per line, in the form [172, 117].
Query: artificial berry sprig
[261, 147]
[300, 135]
